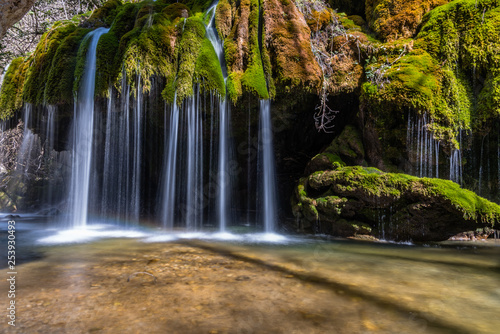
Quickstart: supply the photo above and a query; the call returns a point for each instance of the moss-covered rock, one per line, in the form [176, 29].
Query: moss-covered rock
[104, 15]
[462, 37]
[42, 61]
[208, 71]
[242, 48]
[347, 148]
[12, 88]
[62, 72]
[393, 19]
[397, 206]
[190, 45]
[287, 38]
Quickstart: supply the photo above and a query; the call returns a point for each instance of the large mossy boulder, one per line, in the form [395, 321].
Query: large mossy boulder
[393, 19]
[358, 200]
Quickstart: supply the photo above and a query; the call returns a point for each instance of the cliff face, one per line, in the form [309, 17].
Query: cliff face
[404, 86]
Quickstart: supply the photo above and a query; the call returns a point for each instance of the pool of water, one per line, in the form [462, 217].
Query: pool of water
[112, 279]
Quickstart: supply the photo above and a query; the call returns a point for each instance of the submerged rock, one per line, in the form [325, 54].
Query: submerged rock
[357, 200]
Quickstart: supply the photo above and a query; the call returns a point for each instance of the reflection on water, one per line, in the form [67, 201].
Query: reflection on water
[226, 283]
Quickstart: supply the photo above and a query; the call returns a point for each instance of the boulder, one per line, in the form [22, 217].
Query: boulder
[361, 200]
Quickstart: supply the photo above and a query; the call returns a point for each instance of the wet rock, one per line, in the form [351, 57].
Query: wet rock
[357, 200]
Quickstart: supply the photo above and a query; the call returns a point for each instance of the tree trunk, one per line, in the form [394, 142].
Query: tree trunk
[12, 11]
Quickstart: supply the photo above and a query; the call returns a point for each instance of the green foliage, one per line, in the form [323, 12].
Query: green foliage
[189, 48]
[417, 82]
[245, 70]
[197, 5]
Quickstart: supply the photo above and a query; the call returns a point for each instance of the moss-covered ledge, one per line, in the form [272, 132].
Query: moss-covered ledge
[360, 200]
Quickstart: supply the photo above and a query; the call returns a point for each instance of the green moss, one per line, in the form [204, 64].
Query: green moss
[12, 86]
[234, 89]
[253, 79]
[417, 82]
[104, 15]
[113, 45]
[208, 71]
[176, 10]
[188, 50]
[373, 182]
[223, 18]
[245, 69]
[152, 51]
[62, 72]
[38, 73]
[489, 99]
[197, 6]
[463, 37]
[80, 62]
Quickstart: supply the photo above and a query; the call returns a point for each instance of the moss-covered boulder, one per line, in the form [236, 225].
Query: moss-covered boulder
[392, 206]
[11, 93]
[393, 19]
[346, 149]
[288, 43]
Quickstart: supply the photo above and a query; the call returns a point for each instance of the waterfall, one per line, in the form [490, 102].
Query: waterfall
[423, 149]
[223, 175]
[24, 154]
[51, 155]
[122, 155]
[136, 174]
[183, 173]
[268, 167]
[82, 136]
[170, 165]
[456, 166]
[194, 189]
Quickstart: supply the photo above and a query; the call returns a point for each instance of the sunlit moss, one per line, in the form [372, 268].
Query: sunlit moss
[208, 71]
[105, 14]
[398, 188]
[62, 73]
[12, 86]
[38, 73]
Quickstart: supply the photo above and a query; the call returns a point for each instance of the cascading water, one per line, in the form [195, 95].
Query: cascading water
[136, 176]
[170, 166]
[182, 187]
[194, 202]
[82, 136]
[268, 167]
[423, 149]
[121, 168]
[24, 154]
[223, 176]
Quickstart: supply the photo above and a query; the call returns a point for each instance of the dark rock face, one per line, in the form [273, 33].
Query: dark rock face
[356, 200]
